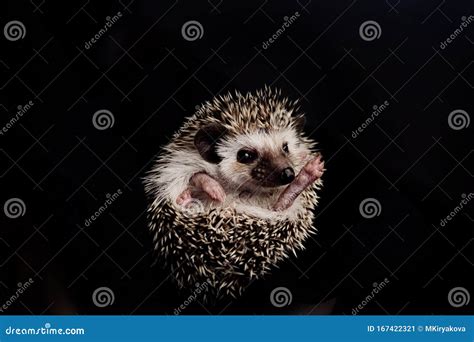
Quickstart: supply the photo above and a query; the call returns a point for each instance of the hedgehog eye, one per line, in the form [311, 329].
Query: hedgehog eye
[246, 156]
[285, 148]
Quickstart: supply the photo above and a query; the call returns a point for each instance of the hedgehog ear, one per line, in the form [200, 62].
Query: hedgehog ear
[299, 122]
[206, 140]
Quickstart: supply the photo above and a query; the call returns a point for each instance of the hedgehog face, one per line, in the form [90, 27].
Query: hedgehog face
[253, 160]
[259, 159]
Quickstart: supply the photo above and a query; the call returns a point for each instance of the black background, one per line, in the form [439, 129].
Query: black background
[150, 78]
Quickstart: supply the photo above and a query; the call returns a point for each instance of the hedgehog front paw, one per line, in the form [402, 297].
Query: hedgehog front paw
[312, 171]
[210, 186]
[215, 191]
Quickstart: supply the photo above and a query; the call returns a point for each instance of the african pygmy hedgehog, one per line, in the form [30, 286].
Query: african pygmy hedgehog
[232, 194]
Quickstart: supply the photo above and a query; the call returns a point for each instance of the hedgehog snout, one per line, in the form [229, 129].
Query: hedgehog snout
[270, 175]
[287, 175]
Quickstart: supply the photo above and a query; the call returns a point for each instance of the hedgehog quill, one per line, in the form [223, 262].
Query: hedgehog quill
[233, 193]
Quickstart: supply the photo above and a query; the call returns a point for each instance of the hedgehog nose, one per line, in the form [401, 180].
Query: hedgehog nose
[287, 175]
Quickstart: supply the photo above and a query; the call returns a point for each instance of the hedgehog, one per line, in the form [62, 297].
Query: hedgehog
[233, 193]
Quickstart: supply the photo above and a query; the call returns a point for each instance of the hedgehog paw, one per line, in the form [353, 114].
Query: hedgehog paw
[312, 171]
[184, 197]
[210, 186]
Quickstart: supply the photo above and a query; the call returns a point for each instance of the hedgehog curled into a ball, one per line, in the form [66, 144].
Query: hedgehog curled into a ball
[233, 193]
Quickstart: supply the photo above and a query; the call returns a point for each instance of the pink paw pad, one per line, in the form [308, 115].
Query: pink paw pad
[314, 169]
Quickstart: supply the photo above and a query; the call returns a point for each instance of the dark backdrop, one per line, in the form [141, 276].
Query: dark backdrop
[409, 158]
